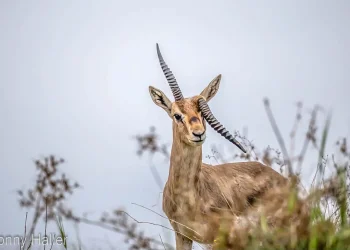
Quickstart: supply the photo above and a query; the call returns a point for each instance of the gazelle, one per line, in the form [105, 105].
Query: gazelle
[196, 194]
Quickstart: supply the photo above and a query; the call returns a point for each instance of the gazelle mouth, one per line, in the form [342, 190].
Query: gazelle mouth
[199, 139]
[196, 141]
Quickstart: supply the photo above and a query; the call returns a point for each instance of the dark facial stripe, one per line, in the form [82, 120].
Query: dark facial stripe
[170, 77]
[215, 124]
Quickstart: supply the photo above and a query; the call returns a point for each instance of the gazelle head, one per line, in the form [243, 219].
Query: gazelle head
[189, 114]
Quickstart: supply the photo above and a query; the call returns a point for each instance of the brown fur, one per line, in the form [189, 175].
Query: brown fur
[197, 196]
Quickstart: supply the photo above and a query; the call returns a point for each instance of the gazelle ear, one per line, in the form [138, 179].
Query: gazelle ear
[160, 99]
[211, 90]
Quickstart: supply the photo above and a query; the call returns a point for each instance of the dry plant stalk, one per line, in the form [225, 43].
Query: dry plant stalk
[49, 196]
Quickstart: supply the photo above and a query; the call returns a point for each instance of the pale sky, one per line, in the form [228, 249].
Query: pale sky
[74, 81]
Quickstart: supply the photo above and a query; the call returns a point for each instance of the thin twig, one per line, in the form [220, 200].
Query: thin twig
[278, 135]
[30, 243]
[308, 137]
[156, 176]
[166, 218]
[78, 234]
[45, 224]
[107, 227]
[157, 199]
[302, 154]
[295, 129]
[155, 224]
[162, 242]
[227, 203]
[51, 245]
[25, 233]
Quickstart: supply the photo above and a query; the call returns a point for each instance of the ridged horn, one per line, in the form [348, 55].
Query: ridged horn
[170, 77]
[215, 124]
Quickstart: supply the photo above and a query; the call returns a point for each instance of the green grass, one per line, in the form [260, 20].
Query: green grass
[61, 231]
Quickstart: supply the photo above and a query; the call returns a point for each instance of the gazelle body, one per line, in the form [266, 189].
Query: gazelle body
[198, 196]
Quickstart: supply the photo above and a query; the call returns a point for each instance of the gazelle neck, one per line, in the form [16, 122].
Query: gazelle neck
[185, 165]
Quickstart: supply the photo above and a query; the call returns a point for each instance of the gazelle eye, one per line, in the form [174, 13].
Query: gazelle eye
[177, 117]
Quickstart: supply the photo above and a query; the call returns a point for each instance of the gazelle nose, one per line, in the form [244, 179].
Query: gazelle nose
[199, 134]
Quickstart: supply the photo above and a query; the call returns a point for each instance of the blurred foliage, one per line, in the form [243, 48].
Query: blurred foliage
[316, 217]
